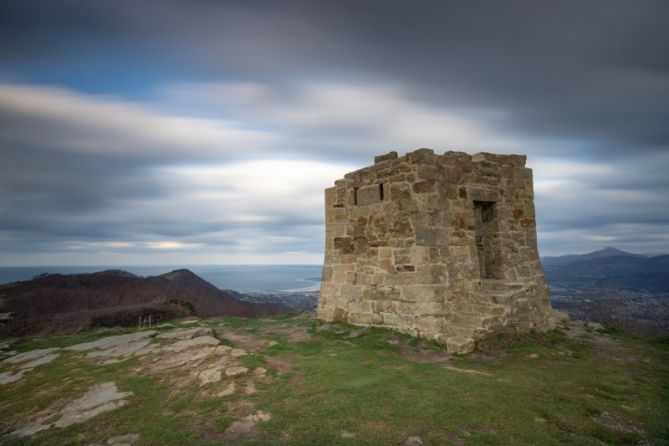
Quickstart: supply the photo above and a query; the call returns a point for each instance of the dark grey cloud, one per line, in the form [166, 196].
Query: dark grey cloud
[594, 71]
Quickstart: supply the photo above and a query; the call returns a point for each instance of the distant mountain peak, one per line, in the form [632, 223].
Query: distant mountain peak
[178, 274]
[611, 251]
[115, 273]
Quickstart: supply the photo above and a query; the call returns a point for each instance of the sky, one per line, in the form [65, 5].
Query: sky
[204, 132]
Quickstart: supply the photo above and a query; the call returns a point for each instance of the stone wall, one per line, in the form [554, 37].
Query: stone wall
[438, 246]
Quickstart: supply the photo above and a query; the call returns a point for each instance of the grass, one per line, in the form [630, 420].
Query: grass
[378, 385]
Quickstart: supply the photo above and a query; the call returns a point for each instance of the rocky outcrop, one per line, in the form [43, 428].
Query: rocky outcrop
[98, 399]
[181, 355]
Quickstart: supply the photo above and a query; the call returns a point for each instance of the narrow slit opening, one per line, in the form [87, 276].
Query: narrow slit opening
[381, 191]
[355, 196]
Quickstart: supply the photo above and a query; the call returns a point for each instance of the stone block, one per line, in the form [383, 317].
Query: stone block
[460, 345]
[406, 278]
[477, 193]
[422, 155]
[426, 237]
[340, 315]
[385, 306]
[368, 195]
[359, 306]
[430, 324]
[385, 253]
[425, 186]
[419, 255]
[360, 318]
[381, 293]
[327, 273]
[387, 157]
[423, 293]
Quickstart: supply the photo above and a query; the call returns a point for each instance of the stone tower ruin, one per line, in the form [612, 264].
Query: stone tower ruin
[439, 246]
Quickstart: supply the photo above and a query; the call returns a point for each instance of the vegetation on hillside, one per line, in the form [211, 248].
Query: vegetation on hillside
[59, 303]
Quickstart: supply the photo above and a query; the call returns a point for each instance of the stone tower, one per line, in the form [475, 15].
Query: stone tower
[439, 246]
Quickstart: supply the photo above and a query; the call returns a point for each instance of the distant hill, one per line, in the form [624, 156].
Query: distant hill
[610, 268]
[70, 302]
[574, 258]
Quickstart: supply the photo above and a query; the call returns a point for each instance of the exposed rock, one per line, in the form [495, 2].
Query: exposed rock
[123, 440]
[26, 362]
[239, 429]
[31, 355]
[222, 349]
[236, 371]
[98, 399]
[40, 361]
[185, 333]
[413, 441]
[165, 325]
[250, 388]
[347, 434]
[227, 390]
[191, 357]
[209, 376]
[237, 352]
[194, 342]
[259, 416]
[120, 351]
[246, 427]
[259, 371]
[459, 345]
[10, 377]
[112, 341]
[595, 326]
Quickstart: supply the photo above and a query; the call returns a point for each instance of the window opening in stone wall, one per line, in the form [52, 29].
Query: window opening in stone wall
[355, 196]
[381, 191]
[487, 241]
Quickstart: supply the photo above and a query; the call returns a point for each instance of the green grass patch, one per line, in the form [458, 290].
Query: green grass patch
[382, 386]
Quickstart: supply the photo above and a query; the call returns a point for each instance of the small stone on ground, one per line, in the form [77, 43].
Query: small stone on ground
[228, 390]
[123, 440]
[236, 371]
[413, 441]
[209, 376]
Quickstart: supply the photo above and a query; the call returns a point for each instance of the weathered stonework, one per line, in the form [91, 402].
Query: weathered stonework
[439, 246]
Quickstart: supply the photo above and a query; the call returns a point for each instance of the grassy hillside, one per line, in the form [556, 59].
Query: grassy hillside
[308, 383]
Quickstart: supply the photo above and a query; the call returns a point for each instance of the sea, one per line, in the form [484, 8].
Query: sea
[241, 278]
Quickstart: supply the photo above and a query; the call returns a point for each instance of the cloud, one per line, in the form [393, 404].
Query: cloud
[146, 203]
[233, 172]
[595, 73]
[583, 206]
[85, 125]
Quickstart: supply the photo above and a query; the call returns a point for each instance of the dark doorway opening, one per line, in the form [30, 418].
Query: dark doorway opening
[487, 240]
